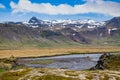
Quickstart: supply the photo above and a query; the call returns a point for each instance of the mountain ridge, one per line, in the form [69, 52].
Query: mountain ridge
[48, 34]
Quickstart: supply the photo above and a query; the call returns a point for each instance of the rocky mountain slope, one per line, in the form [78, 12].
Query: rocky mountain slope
[66, 32]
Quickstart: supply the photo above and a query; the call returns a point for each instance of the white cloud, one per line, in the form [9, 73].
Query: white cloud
[90, 6]
[2, 6]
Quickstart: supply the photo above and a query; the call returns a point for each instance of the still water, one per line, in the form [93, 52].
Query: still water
[72, 62]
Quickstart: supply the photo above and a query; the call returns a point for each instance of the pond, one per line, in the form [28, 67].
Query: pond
[72, 62]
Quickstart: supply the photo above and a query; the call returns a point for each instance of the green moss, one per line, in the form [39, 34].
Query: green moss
[13, 75]
[2, 70]
[52, 77]
[71, 73]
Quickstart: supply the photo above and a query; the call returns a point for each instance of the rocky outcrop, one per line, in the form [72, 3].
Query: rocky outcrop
[103, 60]
[9, 63]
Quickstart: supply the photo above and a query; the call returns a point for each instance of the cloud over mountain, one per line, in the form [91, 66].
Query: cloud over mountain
[90, 6]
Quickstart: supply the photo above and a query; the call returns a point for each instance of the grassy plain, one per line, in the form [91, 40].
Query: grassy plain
[57, 51]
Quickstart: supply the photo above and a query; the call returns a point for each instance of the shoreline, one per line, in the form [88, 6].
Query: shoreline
[65, 55]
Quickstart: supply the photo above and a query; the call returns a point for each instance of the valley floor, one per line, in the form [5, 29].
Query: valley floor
[57, 51]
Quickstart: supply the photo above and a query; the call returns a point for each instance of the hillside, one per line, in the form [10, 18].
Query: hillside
[59, 33]
[17, 36]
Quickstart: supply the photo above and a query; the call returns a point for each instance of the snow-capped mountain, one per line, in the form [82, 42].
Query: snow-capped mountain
[35, 22]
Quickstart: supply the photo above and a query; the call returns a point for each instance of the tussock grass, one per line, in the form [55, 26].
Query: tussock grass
[59, 74]
[5, 66]
[15, 75]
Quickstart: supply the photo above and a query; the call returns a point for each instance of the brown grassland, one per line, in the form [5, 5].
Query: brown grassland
[56, 51]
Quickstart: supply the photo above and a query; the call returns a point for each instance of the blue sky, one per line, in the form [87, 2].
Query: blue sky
[23, 10]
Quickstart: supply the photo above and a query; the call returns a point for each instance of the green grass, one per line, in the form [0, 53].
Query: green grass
[107, 41]
[2, 70]
[27, 44]
[56, 43]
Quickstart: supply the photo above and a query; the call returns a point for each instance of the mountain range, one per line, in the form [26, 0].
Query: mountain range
[49, 33]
